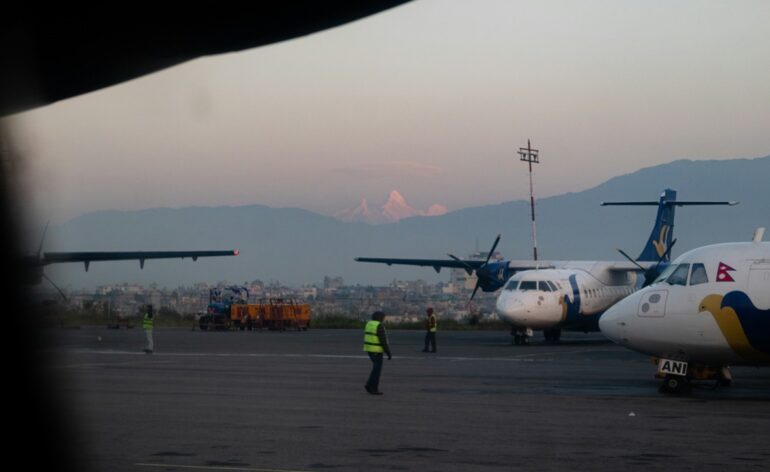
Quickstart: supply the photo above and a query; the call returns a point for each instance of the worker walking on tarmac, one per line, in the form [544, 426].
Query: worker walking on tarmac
[430, 330]
[147, 323]
[375, 344]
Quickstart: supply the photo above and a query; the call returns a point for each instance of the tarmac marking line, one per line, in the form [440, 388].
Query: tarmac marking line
[518, 358]
[105, 364]
[204, 467]
[558, 353]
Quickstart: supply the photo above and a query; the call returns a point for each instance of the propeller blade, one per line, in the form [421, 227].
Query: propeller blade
[653, 272]
[57, 288]
[631, 259]
[492, 251]
[42, 239]
[666, 253]
[649, 276]
[468, 268]
[475, 289]
[481, 273]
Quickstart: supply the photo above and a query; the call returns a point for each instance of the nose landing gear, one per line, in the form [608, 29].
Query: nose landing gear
[675, 384]
[521, 336]
[680, 384]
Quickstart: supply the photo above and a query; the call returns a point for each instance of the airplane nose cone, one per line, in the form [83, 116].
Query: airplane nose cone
[609, 324]
[510, 308]
[509, 305]
[614, 322]
[531, 310]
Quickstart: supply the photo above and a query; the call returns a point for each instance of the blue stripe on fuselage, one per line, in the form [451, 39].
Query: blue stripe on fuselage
[574, 318]
[573, 306]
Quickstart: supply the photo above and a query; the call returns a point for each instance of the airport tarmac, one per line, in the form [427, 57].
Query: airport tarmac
[294, 401]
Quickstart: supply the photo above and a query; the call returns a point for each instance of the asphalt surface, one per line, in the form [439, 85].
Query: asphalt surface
[294, 401]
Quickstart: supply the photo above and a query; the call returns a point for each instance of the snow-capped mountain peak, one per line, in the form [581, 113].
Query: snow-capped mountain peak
[394, 209]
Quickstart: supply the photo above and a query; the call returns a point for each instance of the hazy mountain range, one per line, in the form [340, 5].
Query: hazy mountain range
[297, 246]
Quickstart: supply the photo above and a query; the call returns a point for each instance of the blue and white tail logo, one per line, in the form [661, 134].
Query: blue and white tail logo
[663, 231]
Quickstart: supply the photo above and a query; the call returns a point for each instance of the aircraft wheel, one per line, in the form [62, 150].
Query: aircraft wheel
[552, 335]
[725, 377]
[675, 384]
[724, 382]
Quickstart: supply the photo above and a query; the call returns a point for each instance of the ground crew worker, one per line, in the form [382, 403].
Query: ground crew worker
[375, 344]
[147, 323]
[430, 330]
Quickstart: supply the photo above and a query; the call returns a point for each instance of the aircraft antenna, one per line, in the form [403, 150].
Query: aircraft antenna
[531, 156]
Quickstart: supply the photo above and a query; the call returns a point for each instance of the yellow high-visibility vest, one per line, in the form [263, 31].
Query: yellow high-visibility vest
[435, 324]
[147, 321]
[371, 340]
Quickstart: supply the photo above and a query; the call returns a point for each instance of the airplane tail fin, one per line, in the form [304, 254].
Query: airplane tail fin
[663, 231]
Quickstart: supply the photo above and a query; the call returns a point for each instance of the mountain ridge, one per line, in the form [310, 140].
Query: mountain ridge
[297, 246]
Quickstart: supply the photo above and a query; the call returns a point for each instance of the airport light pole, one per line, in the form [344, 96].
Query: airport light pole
[531, 156]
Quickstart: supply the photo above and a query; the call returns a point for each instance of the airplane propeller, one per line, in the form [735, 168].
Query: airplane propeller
[651, 273]
[66, 300]
[481, 273]
[39, 257]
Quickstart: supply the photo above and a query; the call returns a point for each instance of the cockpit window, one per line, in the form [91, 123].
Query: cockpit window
[527, 285]
[666, 272]
[679, 276]
[552, 285]
[543, 285]
[512, 285]
[698, 275]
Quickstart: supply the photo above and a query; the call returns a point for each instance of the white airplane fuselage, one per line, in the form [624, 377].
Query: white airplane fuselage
[711, 306]
[571, 297]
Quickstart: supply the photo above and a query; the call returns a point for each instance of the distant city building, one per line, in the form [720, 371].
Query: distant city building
[403, 300]
[333, 283]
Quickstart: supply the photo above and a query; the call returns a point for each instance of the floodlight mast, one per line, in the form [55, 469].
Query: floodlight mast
[531, 156]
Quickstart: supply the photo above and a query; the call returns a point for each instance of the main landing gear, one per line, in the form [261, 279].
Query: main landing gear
[552, 335]
[521, 336]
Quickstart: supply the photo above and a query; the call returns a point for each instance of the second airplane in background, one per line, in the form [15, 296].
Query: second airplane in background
[555, 295]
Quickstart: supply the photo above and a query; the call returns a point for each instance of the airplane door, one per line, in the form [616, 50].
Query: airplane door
[759, 284]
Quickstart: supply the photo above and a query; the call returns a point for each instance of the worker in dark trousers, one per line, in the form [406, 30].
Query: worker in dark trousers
[375, 344]
[430, 330]
[147, 324]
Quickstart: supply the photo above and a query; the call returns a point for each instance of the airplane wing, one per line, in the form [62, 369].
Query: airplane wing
[141, 256]
[623, 266]
[458, 264]
[437, 264]
[64, 59]
[532, 265]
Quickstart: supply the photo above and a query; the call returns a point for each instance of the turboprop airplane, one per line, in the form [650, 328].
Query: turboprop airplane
[708, 310]
[556, 295]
